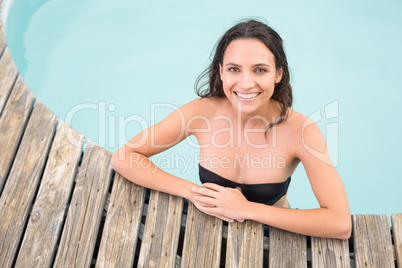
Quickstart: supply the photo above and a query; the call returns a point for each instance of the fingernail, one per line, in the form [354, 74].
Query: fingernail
[193, 189]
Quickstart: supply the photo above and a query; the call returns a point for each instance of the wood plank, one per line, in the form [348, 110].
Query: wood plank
[202, 239]
[47, 217]
[329, 252]
[245, 244]
[24, 177]
[12, 124]
[397, 232]
[8, 75]
[120, 233]
[287, 249]
[3, 41]
[161, 232]
[85, 212]
[372, 241]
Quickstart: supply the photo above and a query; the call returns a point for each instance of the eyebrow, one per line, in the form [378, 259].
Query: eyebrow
[255, 65]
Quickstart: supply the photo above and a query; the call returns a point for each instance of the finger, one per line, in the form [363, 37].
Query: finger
[204, 191]
[199, 203]
[206, 200]
[213, 186]
[225, 219]
[238, 188]
[210, 211]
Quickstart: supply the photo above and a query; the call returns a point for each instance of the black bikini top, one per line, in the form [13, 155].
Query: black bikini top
[266, 193]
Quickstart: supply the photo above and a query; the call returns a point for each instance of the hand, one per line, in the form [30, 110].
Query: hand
[225, 203]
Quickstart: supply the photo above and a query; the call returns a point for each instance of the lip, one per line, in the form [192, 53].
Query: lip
[248, 99]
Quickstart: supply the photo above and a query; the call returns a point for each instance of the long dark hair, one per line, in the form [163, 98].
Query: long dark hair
[249, 29]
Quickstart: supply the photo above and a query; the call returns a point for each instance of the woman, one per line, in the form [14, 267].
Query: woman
[250, 140]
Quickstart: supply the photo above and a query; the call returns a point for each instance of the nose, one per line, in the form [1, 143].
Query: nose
[246, 81]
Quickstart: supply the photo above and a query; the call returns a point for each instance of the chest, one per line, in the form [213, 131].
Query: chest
[249, 157]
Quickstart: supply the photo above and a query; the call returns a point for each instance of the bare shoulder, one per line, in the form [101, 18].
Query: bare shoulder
[297, 123]
[293, 124]
[201, 107]
[306, 133]
[199, 113]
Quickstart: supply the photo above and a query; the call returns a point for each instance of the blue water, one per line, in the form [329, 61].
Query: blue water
[112, 68]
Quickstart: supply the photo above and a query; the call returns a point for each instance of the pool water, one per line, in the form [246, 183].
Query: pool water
[113, 68]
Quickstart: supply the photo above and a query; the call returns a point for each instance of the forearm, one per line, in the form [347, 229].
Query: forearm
[142, 171]
[320, 222]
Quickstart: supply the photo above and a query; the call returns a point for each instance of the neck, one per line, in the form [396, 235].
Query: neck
[260, 118]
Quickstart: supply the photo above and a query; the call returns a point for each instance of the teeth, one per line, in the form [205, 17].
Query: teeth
[246, 96]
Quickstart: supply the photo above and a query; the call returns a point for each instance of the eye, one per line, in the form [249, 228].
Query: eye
[260, 70]
[233, 69]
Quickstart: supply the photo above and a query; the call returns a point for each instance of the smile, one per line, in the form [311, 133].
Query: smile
[247, 96]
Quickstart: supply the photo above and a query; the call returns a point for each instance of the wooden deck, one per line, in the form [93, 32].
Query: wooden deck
[62, 207]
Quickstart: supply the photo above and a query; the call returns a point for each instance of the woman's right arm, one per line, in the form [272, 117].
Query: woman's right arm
[132, 159]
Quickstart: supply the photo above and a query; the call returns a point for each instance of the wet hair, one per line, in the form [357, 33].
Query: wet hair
[209, 83]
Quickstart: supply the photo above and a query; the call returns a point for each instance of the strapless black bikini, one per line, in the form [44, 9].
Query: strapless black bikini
[266, 193]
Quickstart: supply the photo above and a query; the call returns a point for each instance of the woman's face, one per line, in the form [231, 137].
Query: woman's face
[249, 74]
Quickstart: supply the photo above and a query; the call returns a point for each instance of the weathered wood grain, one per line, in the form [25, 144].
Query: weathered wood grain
[245, 244]
[372, 241]
[3, 41]
[287, 249]
[202, 240]
[12, 124]
[47, 217]
[397, 231]
[329, 252]
[162, 229]
[85, 212]
[120, 233]
[24, 177]
[8, 75]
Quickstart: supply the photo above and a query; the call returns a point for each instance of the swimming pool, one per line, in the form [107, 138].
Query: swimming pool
[112, 68]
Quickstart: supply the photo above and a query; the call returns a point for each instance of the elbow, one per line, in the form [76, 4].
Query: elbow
[114, 161]
[345, 234]
[124, 162]
[344, 228]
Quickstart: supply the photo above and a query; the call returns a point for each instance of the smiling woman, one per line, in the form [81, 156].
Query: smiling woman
[248, 93]
[113, 69]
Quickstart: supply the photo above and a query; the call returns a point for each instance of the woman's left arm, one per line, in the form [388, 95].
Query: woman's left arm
[332, 219]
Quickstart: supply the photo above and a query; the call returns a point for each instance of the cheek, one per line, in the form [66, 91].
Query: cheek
[227, 86]
[226, 89]
[228, 81]
[268, 82]
[224, 83]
